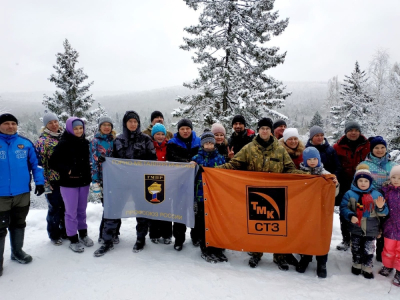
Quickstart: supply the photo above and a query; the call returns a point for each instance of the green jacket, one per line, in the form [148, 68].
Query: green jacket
[254, 157]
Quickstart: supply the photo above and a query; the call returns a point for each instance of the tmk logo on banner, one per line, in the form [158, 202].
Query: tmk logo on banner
[267, 210]
[154, 188]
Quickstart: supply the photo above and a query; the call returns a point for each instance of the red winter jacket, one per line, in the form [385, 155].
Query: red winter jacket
[161, 150]
[349, 160]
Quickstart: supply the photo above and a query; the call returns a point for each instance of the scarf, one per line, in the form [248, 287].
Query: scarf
[55, 134]
[367, 205]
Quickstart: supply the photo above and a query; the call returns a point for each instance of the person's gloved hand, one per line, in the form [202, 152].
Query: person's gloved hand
[39, 189]
[101, 159]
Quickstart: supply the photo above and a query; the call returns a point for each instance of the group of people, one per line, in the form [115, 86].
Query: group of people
[64, 164]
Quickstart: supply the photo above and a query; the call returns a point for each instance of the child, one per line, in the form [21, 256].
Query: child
[101, 147]
[362, 206]
[71, 159]
[391, 229]
[207, 156]
[160, 228]
[312, 163]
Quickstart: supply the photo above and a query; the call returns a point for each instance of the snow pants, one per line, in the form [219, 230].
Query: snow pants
[160, 229]
[75, 200]
[142, 228]
[55, 214]
[363, 249]
[391, 254]
[13, 212]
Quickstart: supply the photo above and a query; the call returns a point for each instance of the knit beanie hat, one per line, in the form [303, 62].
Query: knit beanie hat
[132, 115]
[77, 123]
[278, 123]
[240, 119]
[49, 117]
[351, 125]
[311, 152]
[185, 122]
[290, 132]
[315, 130]
[395, 171]
[218, 128]
[206, 137]
[8, 117]
[264, 122]
[105, 119]
[376, 140]
[362, 171]
[156, 114]
[158, 127]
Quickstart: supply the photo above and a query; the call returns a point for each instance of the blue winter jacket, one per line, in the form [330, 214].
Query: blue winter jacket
[205, 159]
[370, 220]
[17, 160]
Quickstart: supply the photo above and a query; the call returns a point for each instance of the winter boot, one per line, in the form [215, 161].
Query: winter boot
[385, 271]
[84, 238]
[139, 245]
[178, 247]
[396, 279]
[280, 260]
[57, 242]
[209, 257]
[155, 241]
[321, 270]
[291, 260]
[303, 264]
[2, 242]
[343, 246]
[106, 247]
[220, 255]
[167, 241]
[115, 239]
[195, 242]
[17, 242]
[77, 247]
[356, 269]
[368, 275]
[253, 261]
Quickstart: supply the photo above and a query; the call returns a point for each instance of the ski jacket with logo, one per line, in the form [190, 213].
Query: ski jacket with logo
[17, 160]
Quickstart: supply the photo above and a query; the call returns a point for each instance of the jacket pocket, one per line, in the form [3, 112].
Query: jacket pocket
[372, 227]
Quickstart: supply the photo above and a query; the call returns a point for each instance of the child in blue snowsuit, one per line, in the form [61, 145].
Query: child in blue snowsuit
[207, 156]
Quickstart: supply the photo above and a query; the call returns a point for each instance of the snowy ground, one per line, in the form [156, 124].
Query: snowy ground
[160, 272]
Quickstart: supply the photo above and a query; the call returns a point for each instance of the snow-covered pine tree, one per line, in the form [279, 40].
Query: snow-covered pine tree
[229, 47]
[356, 105]
[316, 120]
[73, 99]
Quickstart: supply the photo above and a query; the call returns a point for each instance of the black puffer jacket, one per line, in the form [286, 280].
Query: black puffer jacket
[72, 154]
[133, 144]
[238, 141]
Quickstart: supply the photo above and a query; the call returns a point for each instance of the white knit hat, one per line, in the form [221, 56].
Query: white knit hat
[290, 132]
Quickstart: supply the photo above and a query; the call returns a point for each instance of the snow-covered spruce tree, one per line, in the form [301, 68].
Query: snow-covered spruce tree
[228, 44]
[316, 120]
[73, 98]
[357, 104]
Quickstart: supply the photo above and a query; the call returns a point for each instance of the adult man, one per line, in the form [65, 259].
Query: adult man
[264, 154]
[240, 136]
[278, 128]
[157, 117]
[352, 148]
[17, 160]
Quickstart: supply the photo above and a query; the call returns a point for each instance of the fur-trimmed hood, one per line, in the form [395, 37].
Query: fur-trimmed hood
[293, 152]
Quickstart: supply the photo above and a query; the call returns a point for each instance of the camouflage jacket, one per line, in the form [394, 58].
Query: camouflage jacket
[254, 157]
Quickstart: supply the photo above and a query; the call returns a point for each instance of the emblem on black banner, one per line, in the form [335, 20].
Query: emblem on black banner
[154, 188]
[267, 210]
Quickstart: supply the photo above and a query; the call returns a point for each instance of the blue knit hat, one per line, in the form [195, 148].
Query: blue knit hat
[376, 140]
[311, 152]
[158, 127]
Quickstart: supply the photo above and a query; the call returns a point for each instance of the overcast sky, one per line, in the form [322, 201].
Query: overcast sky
[133, 45]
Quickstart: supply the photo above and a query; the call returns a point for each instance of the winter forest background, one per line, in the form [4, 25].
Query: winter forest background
[233, 49]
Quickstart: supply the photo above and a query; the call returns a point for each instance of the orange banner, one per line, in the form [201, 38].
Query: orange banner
[268, 212]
